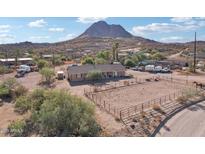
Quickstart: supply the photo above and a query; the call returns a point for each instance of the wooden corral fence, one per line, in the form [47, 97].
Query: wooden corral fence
[102, 104]
[114, 85]
[92, 94]
[132, 110]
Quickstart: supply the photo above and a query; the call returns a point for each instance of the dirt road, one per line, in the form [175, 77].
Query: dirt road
[187, 123]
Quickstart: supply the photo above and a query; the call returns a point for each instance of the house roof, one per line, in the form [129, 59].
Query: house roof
[101, 67]
[13, 59]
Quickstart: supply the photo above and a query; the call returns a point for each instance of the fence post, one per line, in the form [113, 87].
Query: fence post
[120, 114]
[128, 112]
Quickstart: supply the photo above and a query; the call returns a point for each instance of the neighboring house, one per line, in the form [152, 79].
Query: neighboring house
[47, 56]
[79, 73]
[12, 61]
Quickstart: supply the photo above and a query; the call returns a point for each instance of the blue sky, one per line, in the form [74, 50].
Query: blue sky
[164, 29]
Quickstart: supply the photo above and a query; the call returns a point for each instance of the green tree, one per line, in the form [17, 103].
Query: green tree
[64, 115]
[129, 63]
[88, 60]
[48, 74]
[100, 61]
[158, 56]
[42, 63]
[94, 75]
[104, 55]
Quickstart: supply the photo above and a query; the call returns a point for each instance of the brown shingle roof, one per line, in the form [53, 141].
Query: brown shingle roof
[88, 67]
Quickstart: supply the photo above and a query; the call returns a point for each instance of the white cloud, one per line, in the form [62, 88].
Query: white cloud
[67, 37]
[56, 29]
[5, 28]
[6, 38]
[155, 27]
[163, 28]
[38, 23]
[86, 20]
[171, 39]
[181, 19]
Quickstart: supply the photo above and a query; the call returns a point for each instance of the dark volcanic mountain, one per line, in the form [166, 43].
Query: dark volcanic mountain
[102, 29]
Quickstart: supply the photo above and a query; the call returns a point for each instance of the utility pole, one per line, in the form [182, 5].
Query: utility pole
[195, 54]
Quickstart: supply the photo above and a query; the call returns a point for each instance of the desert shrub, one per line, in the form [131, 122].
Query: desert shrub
[129, 63]
[156, 107]
[37, 97]
[7, 88]
[4, 91]
[48, 74]
[94, 75]
[10, 83]
[22, 104]
[20, 91]
[16, 128]
[187, 94]
[5, 70]
[64, 115]
[88, 60]
[158, 56]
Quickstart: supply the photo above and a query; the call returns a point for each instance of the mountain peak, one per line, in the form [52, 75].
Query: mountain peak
[103, 29]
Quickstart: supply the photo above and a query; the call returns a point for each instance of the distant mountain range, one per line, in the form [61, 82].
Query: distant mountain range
[101, 36]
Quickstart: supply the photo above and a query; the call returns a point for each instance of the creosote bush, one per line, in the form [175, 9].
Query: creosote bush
[17, 128]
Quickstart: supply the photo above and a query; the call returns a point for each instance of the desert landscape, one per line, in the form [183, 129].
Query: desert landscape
[104, 82]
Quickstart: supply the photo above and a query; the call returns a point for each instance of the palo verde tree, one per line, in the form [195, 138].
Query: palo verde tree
[48, 74]
[56, 113]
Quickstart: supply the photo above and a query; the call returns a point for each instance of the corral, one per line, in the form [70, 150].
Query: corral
[119, 96]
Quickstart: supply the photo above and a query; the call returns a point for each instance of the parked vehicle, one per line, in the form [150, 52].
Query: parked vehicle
[158, 69]
[25, 68]
[141, 68]
[34, 68]
[60, 75]
[20, 73]
[149, 68]
[166, 70]
[134, 68]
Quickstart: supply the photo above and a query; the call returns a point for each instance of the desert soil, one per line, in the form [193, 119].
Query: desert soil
[107, 121]
[137, 94]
